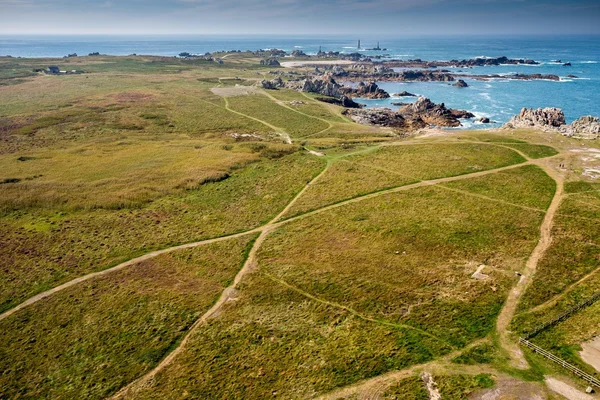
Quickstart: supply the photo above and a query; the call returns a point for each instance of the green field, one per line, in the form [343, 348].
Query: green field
[354, 249]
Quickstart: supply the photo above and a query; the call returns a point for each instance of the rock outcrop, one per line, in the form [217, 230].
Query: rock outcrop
[383, 117]
[272, 84]
[404, 94]
[460, 84]
[553, 120]
[367, 90]
[587, 127]
[411, 116]
[541, 118]
[434, 114]
[271, 62]
[345, 101]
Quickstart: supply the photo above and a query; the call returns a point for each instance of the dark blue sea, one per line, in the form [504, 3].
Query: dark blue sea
[497, 99]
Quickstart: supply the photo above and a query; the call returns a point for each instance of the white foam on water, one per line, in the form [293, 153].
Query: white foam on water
[588, 62]
[486, 96]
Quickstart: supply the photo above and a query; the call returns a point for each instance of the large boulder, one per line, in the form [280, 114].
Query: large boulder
[404, 94]
[325, 86]
[271, 62]
[380, 117]
[273, 84]
[541, 118]
[434, 114]
[553, 120]
[367, 90]
[460, 84]
[587, 127]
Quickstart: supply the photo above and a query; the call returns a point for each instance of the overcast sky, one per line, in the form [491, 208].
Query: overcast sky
[390, 17]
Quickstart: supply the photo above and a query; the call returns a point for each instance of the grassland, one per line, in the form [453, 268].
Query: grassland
[368, 270]
[88, 341]
[261, 107]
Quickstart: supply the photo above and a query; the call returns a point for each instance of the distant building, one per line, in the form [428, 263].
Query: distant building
[53, 69]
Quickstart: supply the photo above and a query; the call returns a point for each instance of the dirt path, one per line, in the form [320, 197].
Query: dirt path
[510, 306]
[426, 183]
[226, 295]
[352, 311]
[566, 390]
[119, 267]
[553, 301]
[275, 223]
[374, 388]
[284, 135]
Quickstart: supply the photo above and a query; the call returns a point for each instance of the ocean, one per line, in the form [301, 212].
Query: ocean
[497, 99]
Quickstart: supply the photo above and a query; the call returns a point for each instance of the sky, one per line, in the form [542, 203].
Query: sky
[390, 17]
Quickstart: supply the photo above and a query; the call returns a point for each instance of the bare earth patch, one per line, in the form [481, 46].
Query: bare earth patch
[234, 91]
[591, 353]
[565, 390]
[508, 388]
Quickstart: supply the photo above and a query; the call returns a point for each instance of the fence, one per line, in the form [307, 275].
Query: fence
[563, 316]
[536, 349]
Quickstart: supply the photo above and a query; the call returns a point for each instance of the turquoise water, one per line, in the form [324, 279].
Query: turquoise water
[497, 99]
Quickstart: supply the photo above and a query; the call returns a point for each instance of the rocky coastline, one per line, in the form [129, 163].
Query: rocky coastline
[552, 119]
[420, 114]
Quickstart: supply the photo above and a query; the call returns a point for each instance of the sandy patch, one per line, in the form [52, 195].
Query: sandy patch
[296, 64]
[566, 390]
[508, 388]
[234, 91]
[314, 153]
[591, 353]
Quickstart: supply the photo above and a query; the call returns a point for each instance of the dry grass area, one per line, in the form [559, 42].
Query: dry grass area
[273, 341]
[88, 341]
[46, 247]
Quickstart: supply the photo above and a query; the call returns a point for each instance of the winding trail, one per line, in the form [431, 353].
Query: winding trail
[280, 131]
[352, 311]
[275, 223]
[226, 295]
[507, 313]
[250, 264]
[374, 388]
[554, 300]
[119, 267]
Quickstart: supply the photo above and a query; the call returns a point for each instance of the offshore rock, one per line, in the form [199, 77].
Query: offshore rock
[368, 90]
[460, 84]
[404, 94]
[434, 114]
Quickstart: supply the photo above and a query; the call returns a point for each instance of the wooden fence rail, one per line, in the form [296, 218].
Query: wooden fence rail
[563, 316]
[585, 376]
